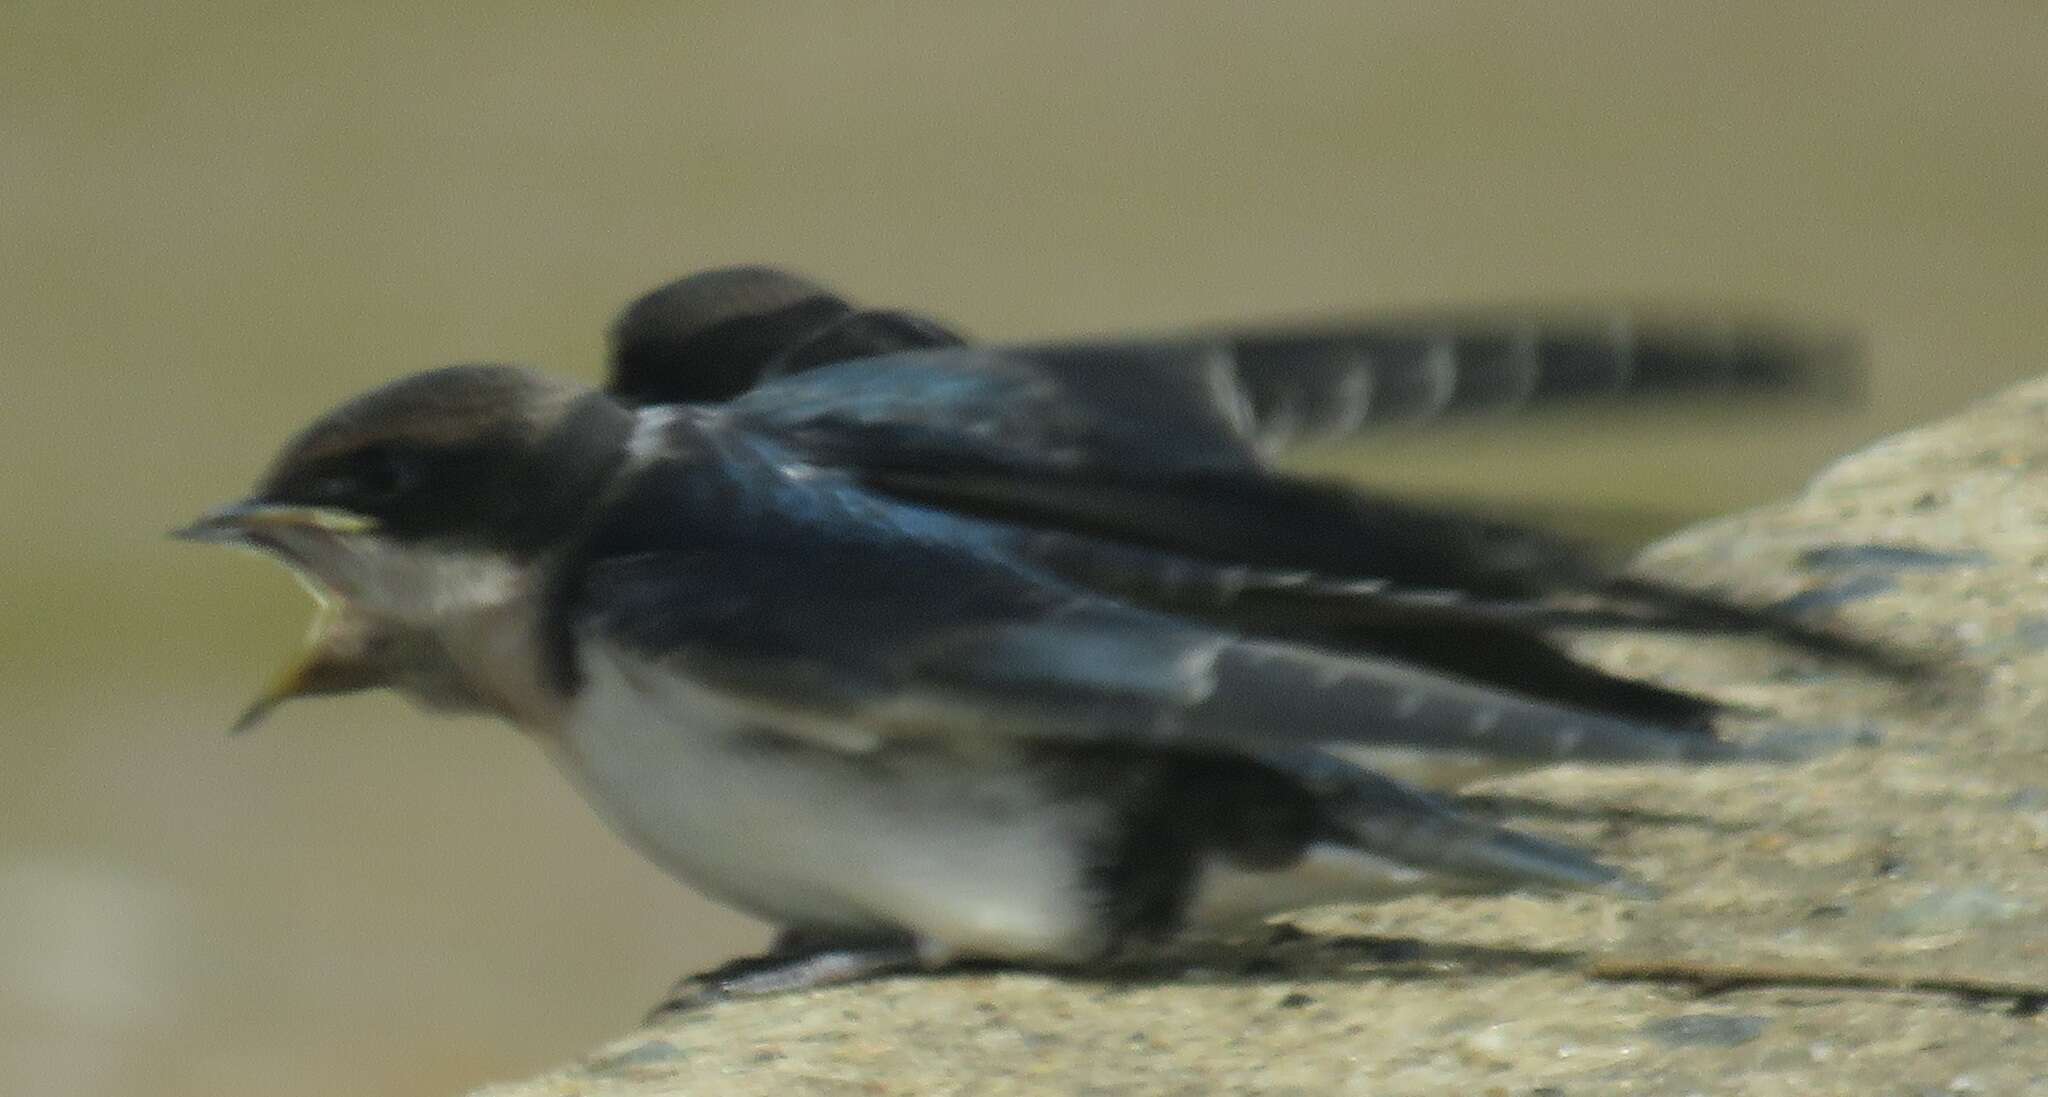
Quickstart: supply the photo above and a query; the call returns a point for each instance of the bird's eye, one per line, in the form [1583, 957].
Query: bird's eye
[383, 474]
[367, 478]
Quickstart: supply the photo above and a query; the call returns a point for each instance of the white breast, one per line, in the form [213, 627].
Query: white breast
[967, 853]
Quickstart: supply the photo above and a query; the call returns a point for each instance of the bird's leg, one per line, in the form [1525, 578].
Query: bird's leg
[796, 961]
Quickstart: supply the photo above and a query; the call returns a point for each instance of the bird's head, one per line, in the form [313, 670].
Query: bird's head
[415, 506]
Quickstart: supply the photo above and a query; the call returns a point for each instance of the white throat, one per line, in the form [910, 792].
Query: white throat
[468, 621]
[485, 614]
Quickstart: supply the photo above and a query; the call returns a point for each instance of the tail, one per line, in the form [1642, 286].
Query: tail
[1391, 821]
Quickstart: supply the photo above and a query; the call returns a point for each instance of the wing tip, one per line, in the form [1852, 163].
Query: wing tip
[1623, 886]
[1526, 860]
[1780, 745]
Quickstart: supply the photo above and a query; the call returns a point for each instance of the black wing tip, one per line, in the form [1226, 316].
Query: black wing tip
[1724, 355]
[1794, 744]
[1628, 887]
[1780, 744]
[1647, 744]
[1391, 818]
[1523, 860]
[1581, 872]
[1671, 608]
[1562, 736]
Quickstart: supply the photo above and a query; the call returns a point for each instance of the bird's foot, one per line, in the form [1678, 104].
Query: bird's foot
[796, 961]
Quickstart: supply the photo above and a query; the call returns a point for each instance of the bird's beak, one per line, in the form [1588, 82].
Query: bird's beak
[335, 659]
[340, 645]
[247, 522]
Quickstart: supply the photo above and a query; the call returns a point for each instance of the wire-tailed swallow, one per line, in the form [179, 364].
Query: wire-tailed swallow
[927, 652]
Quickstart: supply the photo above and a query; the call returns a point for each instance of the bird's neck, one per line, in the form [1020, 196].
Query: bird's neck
[480, 649]
[497, 651]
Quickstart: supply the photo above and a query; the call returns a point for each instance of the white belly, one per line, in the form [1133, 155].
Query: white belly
[965, 855]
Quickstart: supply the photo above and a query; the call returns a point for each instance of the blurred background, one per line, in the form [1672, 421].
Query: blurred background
[220, 219]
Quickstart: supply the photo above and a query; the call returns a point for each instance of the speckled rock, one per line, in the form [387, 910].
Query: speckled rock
[1920, 844]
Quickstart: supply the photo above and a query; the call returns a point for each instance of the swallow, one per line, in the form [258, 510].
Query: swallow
[927, 653]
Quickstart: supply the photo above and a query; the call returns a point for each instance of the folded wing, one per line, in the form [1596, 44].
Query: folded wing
[816, 603]
[1244, 547]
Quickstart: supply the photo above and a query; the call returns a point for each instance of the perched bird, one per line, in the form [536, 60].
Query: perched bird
[927, 652]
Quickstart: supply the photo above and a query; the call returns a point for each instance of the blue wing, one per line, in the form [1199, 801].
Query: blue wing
[814, 600]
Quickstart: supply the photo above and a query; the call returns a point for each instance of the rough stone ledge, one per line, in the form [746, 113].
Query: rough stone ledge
[1921, 846]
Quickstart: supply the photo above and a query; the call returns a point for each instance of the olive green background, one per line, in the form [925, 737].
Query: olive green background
[219, 219]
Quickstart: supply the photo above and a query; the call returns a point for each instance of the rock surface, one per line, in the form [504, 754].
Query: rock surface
[1917, 844]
